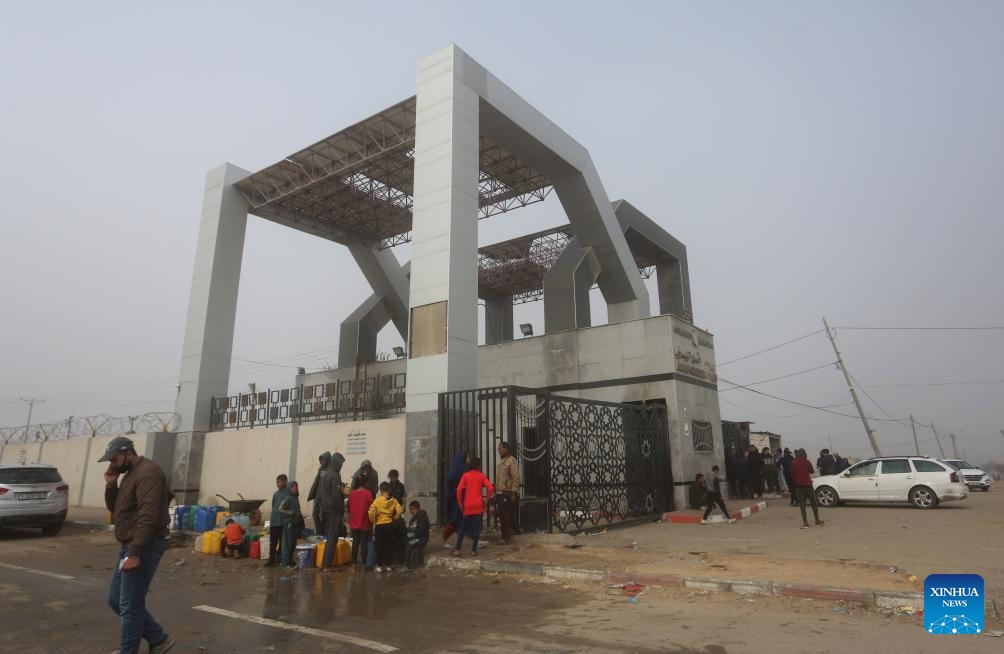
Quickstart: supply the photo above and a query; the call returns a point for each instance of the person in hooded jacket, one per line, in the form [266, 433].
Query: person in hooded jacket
[369, 476]
[453, 514]
[329, 494]
[472, 503]
[325, 461]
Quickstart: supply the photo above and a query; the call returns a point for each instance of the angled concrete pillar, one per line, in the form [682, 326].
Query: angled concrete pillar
[357, 338]
[498, 319]
[388, 279]
[566, 289]
[673, 276]
[442, 339]
[209, 329]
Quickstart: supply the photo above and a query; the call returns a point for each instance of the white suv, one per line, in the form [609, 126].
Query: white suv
[33, 495]
[918, 480]
[973, 476]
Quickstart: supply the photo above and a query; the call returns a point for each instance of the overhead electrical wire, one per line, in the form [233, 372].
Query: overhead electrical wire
[791, 374]
[780, 345]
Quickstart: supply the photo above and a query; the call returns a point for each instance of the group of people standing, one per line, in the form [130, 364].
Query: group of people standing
[376, 511]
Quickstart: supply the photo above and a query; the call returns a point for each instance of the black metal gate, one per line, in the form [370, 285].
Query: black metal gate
[583, 463]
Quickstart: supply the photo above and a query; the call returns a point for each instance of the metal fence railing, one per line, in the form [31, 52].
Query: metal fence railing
[377, 396]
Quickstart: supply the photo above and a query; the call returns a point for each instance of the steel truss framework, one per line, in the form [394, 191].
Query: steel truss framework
[516, 267]
[357, 186]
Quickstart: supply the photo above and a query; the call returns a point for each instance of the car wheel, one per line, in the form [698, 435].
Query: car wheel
[923, 497]
[52, 528]
[827, 496]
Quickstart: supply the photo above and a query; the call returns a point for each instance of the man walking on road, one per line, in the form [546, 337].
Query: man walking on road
[506, 489]
[139, 507]
[801, 477]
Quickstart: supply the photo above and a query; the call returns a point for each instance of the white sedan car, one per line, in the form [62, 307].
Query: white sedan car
[919, 480]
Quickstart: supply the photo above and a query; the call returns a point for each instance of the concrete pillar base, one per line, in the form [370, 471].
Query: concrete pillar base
[186, 474]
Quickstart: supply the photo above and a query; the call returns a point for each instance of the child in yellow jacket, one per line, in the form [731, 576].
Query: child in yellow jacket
[382, 513]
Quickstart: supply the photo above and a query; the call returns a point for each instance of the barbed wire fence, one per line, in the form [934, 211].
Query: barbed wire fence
[90, 426]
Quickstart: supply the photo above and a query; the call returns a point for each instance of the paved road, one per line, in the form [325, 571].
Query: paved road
[56, 605]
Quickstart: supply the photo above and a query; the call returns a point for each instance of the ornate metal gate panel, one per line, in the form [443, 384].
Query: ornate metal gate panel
[583, 463]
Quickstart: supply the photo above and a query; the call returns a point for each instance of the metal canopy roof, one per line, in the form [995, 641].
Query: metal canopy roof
[516, 267]
[356, 186]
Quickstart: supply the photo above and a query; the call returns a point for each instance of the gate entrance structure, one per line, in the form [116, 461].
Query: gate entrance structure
[465, 147]
[583, 463]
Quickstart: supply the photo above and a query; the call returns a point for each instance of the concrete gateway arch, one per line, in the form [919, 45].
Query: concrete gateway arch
[465, 147]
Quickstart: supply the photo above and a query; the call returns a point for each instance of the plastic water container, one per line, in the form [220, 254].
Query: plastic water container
[243, 519]
[205, 519]
[180, 514]
[319, 554]
[305, 556]
[221, 518]
[190, 517]
[212, 542]
[254, 549]
[264, 541]
[343, 552]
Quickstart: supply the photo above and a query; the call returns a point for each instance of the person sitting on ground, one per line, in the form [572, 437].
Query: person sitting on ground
[397, 489]
[233, 539]
[701, 496]
[418, 535]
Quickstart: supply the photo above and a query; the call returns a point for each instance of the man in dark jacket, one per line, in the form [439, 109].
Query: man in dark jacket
[139, 507]
[418, 535]
[329, 495]
[825, 462]
[754, 470]
[325, 461]
[785, 461]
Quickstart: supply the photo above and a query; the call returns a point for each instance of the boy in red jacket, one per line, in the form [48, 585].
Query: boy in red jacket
[359, 521]
[472, 504]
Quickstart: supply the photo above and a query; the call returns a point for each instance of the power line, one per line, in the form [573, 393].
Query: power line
[983, 328]
[953, 383]
[808, 406]
[792, 374]
[794, 340]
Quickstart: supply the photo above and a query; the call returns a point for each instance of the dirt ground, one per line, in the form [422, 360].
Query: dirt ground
[883, 547]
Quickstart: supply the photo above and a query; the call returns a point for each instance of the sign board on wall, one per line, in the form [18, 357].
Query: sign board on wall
[355, 443]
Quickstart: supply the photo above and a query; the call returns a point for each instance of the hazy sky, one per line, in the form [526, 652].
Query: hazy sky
[844, 161]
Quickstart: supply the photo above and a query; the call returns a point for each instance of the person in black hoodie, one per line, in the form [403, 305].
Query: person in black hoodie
[418, 535]
[785, 461]
[329, 494]
[325, 461]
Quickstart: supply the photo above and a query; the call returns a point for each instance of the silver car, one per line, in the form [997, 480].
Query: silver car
[33, 495]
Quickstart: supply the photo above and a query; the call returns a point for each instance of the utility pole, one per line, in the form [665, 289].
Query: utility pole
[914, 428]
[854, 395]
[955, 448]
[935, 430]
[31, 405]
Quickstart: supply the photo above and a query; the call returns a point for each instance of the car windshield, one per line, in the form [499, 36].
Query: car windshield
[962, 465]
[29, 476]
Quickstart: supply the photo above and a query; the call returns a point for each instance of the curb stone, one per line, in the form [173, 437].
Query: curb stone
[864, 596]
[691, 518]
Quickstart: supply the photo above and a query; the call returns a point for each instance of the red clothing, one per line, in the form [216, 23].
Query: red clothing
[801, 473]
[235, 534]
[359, 506]
[469, 492]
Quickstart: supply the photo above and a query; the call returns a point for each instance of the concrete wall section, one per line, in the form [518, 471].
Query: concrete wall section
[380, 441]
[244, 461]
